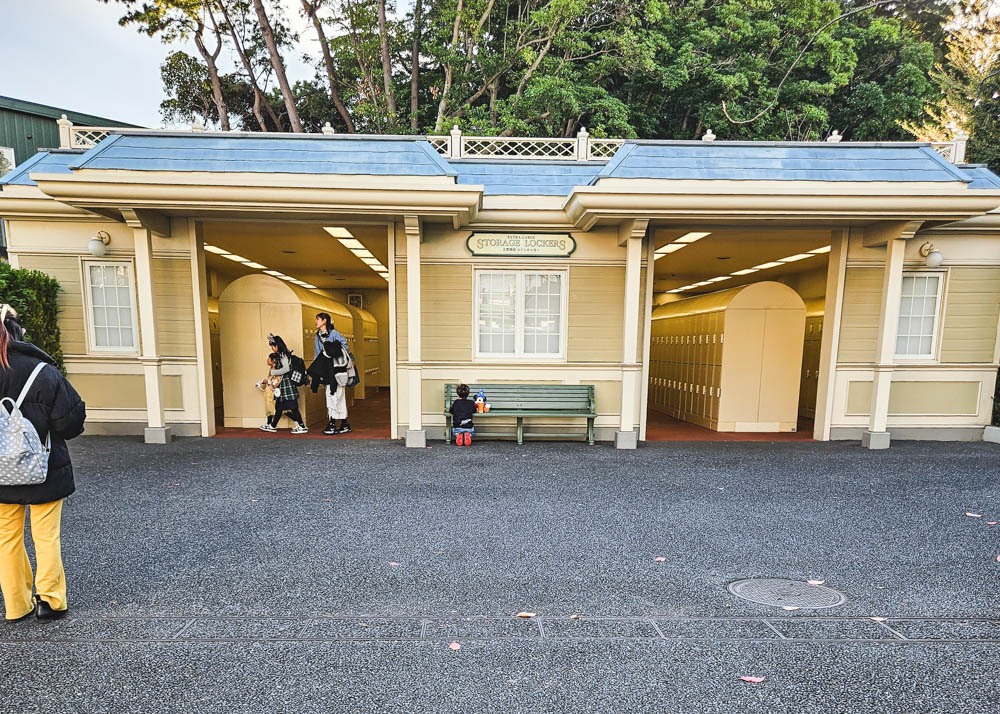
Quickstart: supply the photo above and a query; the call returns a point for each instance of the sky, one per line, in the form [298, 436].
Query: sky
[72, 54]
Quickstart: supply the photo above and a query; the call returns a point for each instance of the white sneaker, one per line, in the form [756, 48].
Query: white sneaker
[299, 429]
[268, 427]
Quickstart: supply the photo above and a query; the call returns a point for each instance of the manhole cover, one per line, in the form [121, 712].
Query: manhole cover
[786, 593]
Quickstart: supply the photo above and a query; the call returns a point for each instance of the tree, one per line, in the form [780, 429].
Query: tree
[172, 20]
[967, 79]
[766, 69]
[267, 31]
[5, 166]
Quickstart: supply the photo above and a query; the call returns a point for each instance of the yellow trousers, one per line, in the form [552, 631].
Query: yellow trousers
[15, 568]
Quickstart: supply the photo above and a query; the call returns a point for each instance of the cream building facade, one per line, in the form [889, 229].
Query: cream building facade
[521, 261]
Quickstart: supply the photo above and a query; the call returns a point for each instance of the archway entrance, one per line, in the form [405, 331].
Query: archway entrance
[735, 335]
[274, 277]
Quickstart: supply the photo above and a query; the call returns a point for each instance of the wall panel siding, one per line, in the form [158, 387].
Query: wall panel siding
[972, 310]
[402, 337]
[65, 269]
[446, 303]
[859, 321]
[596, 312]
[174, 307]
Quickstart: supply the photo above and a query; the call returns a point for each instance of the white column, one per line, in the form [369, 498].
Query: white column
[393, 234]
[416, 436]
[156, 432]
[631, 235]
[892, 283]
[647, 329]
[833, 308]
[202, 339]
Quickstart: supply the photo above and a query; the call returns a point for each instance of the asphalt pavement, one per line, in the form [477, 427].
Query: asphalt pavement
[279, 576]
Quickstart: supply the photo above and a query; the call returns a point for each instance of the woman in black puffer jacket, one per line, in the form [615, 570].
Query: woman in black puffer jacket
[54, 408]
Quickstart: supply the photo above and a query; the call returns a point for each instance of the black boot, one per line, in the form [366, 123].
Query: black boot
[344, 427]
[44, 611]
[330, 428]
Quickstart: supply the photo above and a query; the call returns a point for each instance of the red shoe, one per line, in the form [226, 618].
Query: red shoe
[458, 439]
[468, 439]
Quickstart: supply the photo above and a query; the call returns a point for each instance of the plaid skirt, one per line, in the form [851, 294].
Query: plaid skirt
[286, 391]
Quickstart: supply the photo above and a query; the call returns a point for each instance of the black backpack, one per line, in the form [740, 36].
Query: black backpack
[298, 373]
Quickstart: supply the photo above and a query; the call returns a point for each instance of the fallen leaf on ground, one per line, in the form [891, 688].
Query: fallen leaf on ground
[254, 500]
[753, 680]
[974, 515]
[789, 607]
[991, 523]
[525, 614]
[393, 564]
[174, 484]
[661, 560]
[998, 558]
[815, 582]
[455, 646]
[363, 624]
[327, 500]
[574, 617]
[877, 619]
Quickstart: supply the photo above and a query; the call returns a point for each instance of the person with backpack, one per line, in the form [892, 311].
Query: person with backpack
[336, 398]
[342, 371]
[286, 396]
[39, 412]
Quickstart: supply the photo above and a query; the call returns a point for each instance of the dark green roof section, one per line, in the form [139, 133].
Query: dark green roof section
[44, 110]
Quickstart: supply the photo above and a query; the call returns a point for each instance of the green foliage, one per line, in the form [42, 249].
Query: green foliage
[984, 122]
[34, 295]
[747, 69]
[4, 165]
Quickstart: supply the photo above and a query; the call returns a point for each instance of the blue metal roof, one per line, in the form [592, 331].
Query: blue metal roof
[44, 162]
[282, 154]
[981, 176]
[526, 178]
[414, 156]
[748, 161]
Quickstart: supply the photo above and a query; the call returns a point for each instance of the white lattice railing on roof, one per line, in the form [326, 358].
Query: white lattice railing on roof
[84, 137]
[580, 148]
[476, 147]
[600, 149]
[954, 151]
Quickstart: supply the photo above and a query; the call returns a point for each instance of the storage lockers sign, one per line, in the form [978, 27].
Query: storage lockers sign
[543, 245]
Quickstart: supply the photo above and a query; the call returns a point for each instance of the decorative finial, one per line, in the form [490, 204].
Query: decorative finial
[834, 137]
[327, 129]
[708, 135]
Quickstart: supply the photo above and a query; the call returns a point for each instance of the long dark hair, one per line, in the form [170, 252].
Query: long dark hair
[4, 339]
[10, 331]
[325, 317]
[279, 343]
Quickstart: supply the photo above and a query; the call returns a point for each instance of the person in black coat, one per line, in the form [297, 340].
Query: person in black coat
[55, 409]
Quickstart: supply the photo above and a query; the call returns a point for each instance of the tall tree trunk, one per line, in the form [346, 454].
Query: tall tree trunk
[258, 94]
[213, 70]
[415, 71]
[448, 72]
[331, 72]
[383, 34]
[279, 66]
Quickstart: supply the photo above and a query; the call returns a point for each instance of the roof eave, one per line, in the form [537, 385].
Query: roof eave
[825, 202]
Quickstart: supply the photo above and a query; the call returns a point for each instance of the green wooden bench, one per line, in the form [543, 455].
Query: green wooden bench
[528, 400]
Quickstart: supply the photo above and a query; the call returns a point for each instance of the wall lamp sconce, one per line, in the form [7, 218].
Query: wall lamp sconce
[98, 245]
[931, 255]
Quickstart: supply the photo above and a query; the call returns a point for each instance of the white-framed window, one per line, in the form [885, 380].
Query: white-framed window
[521, 313]
[111, 306]
[916, 335]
